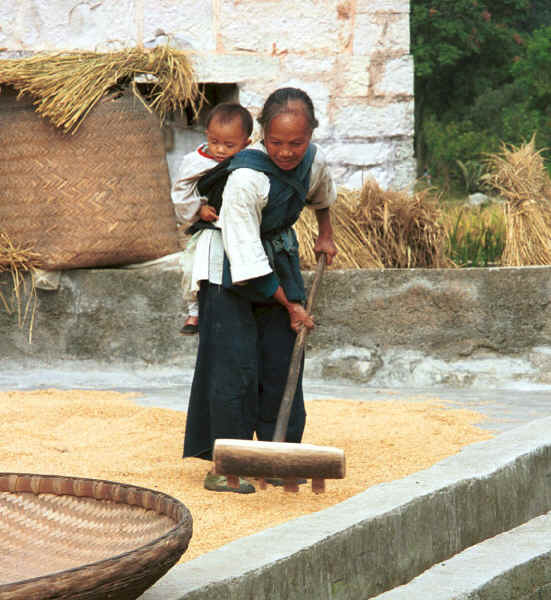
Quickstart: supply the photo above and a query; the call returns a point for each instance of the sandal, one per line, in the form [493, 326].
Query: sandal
[219, 483]
[189, 329]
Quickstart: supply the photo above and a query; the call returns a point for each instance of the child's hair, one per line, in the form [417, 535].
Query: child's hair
[228, 111]
[281, 101]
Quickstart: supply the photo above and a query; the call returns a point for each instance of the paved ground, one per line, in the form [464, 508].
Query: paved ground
[506, 410]
[168, 387]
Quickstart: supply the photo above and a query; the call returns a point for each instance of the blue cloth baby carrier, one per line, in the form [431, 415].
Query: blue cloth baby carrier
[287, 198]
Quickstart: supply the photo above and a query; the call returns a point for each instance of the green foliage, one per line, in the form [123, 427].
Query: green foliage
[520, 122]
[539, 16]
[446, 32]
[487, 108]
[508, 114]
[476, 236]
[482, 78]
[472, 171]
[464, 51]
[533, 69]
[455, 150]
[532, 114]
[460, 46]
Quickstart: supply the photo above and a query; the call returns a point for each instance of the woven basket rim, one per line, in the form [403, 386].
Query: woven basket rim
[179, 514]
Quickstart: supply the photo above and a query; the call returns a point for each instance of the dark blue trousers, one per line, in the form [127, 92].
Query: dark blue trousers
[241, 371]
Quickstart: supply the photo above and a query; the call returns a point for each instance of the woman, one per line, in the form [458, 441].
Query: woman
[251, 300]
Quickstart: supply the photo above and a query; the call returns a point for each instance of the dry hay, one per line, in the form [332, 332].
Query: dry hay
[375, 229]
[67, 85]
[18, 261]
[518, 174]
[14, 257]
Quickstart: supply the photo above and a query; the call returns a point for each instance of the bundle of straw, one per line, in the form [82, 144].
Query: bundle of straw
[518, 174]
[373, 228]
[354, 246]
[67, 85]
[17, 261]
[14, 257]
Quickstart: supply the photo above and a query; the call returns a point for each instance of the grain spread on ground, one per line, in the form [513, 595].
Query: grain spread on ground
[106, 435]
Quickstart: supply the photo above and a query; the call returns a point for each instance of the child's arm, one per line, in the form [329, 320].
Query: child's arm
[186, 199]
[185, 196]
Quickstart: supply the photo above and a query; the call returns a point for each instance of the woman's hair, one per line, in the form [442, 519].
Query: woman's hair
[227, 112]
[284, 100]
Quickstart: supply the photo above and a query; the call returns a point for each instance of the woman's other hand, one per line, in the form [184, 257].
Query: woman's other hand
[298, 317]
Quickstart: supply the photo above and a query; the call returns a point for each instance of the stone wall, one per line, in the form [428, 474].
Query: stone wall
[351, 56]
[397, 327]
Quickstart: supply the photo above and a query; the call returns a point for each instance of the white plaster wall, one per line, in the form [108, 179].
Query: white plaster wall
[351, 56]
[308, 26]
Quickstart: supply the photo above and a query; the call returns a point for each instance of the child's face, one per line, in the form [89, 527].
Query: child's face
[287, 139]
[225, 139]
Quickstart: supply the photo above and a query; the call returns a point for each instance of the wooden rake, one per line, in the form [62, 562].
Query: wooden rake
[279, 459]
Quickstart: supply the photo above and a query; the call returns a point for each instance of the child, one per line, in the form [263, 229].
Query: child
[228, 129]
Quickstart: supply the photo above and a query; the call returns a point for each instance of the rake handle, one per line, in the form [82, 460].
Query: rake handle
[296, 358]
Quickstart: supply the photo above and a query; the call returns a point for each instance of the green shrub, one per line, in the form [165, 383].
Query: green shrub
[450, 143]
[476, 235]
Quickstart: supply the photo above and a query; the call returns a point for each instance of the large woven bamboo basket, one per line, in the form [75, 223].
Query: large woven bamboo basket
[100, 197]
[75, 538]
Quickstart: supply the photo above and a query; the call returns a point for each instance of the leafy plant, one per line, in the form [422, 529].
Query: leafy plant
[476, 236]
[463, 50]
[533, 69]
[472, 171]
[452, 143]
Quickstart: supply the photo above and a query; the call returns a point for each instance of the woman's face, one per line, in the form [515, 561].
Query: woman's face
[287, 139]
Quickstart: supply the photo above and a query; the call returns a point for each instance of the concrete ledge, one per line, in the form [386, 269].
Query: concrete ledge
[512, 565]
[396, 327]
[385, 536]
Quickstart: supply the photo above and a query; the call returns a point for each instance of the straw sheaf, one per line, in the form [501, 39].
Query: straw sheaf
[100, 197]
[373, 228]
[67, 85]
[18, 260]
[15, 257]
[518, 174]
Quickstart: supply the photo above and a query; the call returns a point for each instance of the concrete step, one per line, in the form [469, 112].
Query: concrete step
[515, 565]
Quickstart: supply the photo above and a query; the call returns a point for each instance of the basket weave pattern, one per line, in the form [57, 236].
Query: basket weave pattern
[63, 537]
[100, 197]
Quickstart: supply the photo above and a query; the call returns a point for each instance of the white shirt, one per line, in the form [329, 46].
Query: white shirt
[185, 196]
[245, 195]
